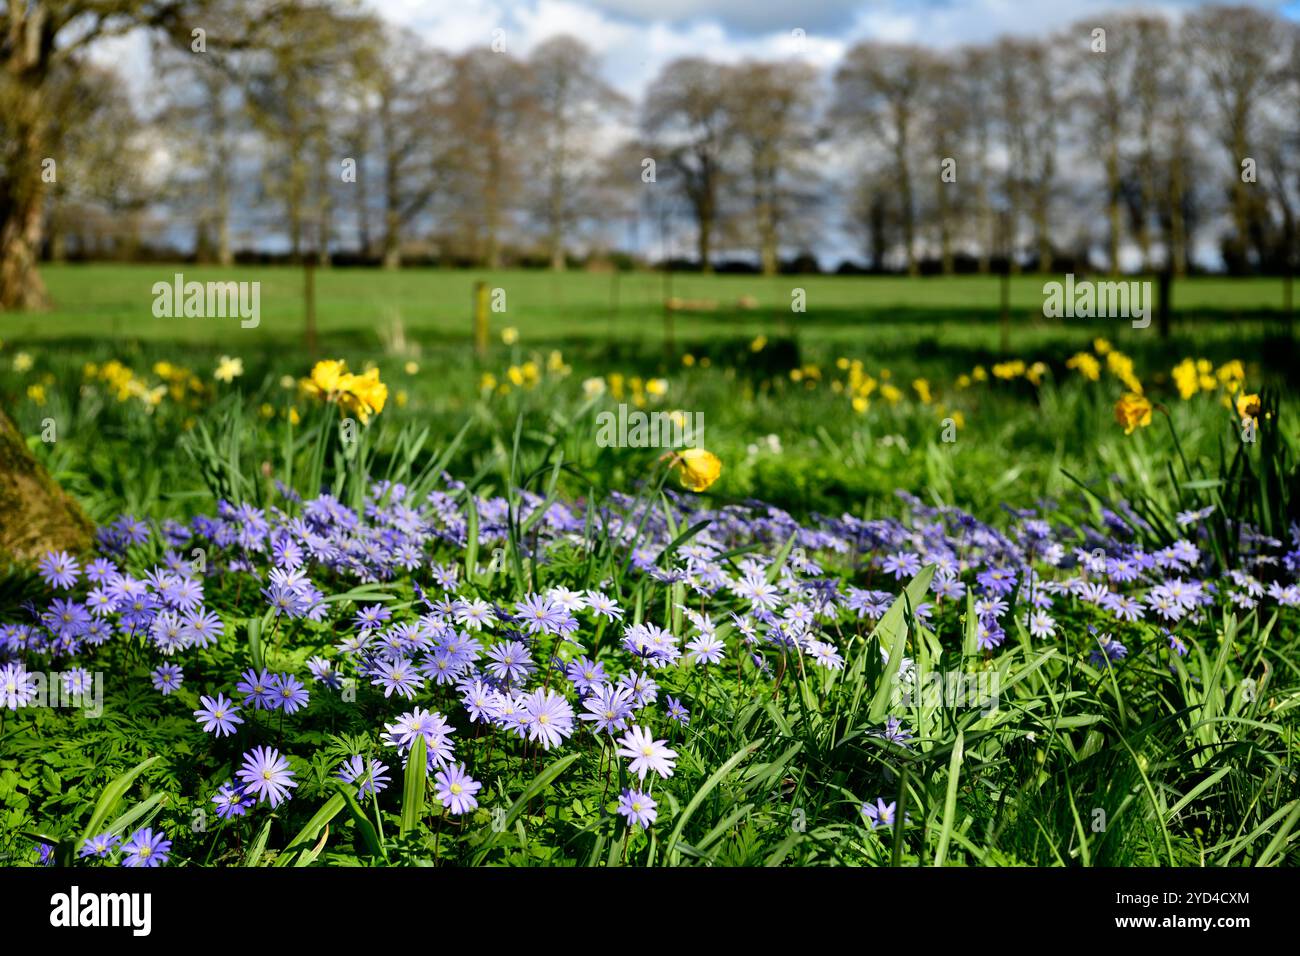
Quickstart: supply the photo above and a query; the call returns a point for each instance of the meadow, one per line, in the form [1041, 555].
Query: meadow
[944, 590]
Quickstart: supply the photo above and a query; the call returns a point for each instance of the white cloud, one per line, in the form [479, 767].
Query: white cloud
[636, 38]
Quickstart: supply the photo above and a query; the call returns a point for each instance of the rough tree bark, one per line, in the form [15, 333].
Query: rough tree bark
[36, 515]
[22, 189]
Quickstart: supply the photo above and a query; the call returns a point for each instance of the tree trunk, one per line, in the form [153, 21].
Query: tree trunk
[22, 198]
[36, 515]
[556, 237]
[556, 219]
[21, 286]
[908, 213]
[705, 239]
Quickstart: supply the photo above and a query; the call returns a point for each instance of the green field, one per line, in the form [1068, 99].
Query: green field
[363, 306]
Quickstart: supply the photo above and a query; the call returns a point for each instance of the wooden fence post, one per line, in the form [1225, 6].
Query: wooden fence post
[480, 319]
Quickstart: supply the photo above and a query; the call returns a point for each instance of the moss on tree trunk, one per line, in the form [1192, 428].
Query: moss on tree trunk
[36, 515]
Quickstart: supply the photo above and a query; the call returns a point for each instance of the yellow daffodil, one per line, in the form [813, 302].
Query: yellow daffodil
[1186, 379]
[228, 369]
[1133, 411]
[1232, 372]
[363, 395]
[325, 377]
[1248, 407]
[696, 468]
[1087, 365]
[510, 335]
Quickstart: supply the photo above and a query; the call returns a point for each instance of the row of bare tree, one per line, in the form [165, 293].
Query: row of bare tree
[311, 124]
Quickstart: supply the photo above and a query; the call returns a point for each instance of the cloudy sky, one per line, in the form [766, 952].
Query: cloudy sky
[637, 37]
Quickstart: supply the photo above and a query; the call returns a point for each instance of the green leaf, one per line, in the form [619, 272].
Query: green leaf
[413, 789]
[715, 778]
[300, 844]
[950, 799]
[892, 631]
[108, 800]
[538, 784]
[137, 813]
[255, 641]
[471, 537]
[774, 570]
[367, 829]
[258, 846]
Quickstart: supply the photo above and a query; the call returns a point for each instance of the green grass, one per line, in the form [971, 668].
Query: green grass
[361, 305]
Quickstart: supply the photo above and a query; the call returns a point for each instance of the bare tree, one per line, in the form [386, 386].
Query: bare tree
[877, 89]
[946, 145]
[492, 104]
[1242, 62]
[1104, 72]
[293, 94]
[685, 123]
[572, 102]
[975, 89]
[772, 124]
[201, 101]
[411, 86]
[1044, 69]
